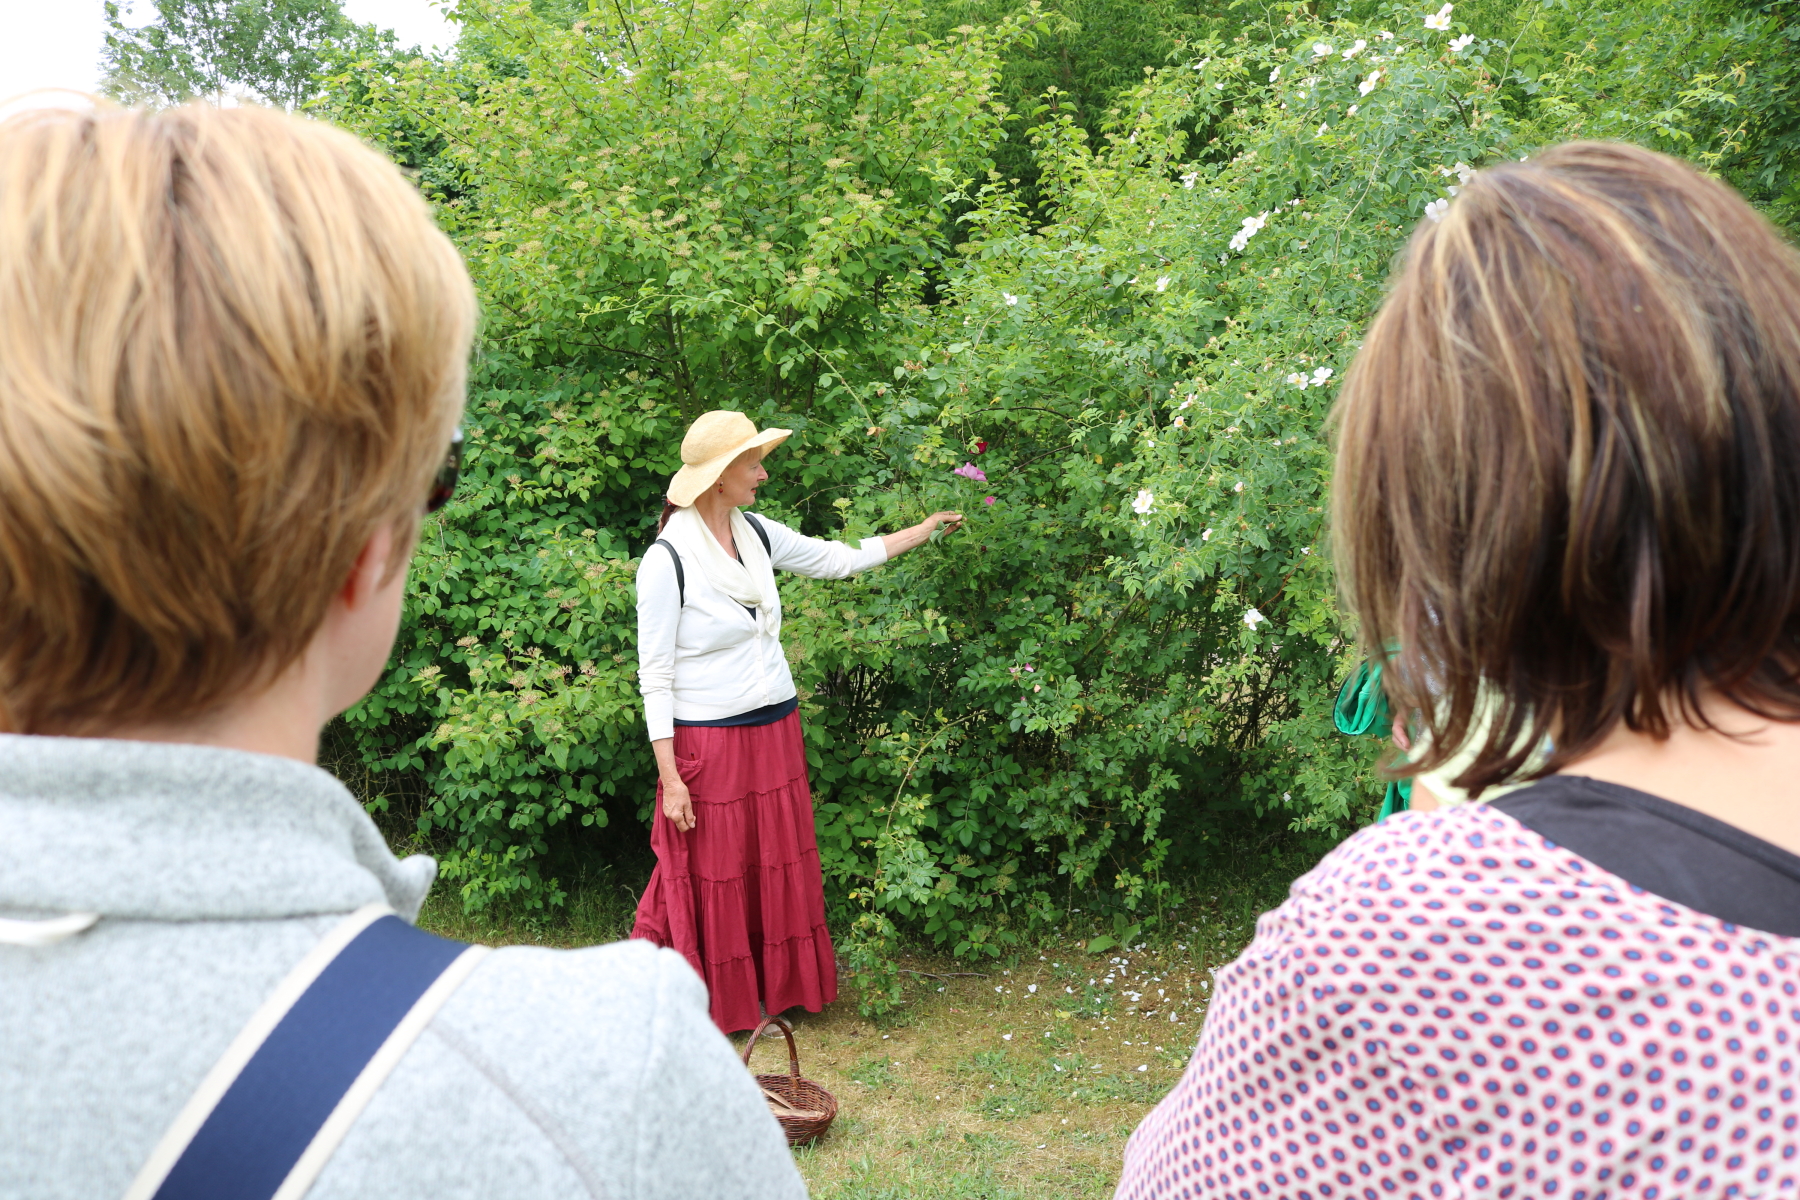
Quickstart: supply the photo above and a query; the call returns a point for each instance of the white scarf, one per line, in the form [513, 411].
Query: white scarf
[748, 579]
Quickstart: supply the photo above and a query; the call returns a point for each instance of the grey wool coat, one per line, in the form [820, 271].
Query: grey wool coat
[572, 1074]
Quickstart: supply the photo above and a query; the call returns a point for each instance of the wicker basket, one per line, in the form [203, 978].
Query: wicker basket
[804, 1109]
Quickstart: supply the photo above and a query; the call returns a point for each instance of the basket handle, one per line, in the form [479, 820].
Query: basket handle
[787, 1031]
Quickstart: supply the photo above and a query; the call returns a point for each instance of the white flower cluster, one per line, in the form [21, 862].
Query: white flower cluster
[1441, 18]
[1463, 173]
[1320, 377]
[1242, 237]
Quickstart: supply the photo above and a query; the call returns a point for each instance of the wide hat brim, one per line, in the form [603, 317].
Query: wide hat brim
[695, 478]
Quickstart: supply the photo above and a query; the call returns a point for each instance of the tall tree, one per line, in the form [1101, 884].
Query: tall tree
[275, 51]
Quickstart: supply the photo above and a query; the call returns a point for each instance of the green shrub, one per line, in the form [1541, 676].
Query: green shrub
[1127, 658]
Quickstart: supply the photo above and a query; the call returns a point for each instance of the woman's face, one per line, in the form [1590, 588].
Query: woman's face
[741, 478]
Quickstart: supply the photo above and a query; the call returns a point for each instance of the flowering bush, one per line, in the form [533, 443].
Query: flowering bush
[1154, 408]
[1129, 651]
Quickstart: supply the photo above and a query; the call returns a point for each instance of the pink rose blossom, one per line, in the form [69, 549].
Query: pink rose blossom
[971, 471]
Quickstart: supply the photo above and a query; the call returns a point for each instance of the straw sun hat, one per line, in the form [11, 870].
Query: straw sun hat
[712, 442]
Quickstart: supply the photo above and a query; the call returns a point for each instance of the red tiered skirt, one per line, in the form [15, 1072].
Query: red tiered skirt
[741, 895]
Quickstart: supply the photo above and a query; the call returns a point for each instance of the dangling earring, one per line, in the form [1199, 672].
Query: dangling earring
[721, 487]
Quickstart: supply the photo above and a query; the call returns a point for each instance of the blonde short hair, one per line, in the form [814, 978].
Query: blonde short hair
[232, 347]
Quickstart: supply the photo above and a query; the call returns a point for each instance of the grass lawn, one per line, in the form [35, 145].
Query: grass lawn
[1017, 1078]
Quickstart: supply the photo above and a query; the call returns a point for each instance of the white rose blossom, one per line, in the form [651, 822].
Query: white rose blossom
[1368, 85]
[1162, 283]
[1351, 111]
[1441, 19]
[1009, 298]
[1254, 618]
[1458, 45]
[1321, 50]
[1357, 49]
[1251, 225]
[1141, 506]
[1436, 209]
[1275, 74]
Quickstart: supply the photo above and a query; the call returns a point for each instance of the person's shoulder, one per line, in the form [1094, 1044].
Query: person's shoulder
[532, 993]
[775, 529]
[613, 1047]
[1415, 859]
[656, 569]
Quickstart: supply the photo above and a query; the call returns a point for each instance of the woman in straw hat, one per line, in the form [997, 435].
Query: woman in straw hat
[737, 887]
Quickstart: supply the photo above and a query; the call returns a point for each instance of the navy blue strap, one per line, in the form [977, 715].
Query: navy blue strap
[268, 1117]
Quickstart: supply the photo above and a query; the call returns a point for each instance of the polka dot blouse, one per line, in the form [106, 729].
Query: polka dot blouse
[1451, 1006]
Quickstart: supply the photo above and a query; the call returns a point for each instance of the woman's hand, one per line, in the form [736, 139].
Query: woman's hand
[951, 521]
[918, 535]
[677, 805]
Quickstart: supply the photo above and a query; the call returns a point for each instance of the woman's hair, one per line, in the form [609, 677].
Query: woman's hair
[668, 511]
[232, 346]
[1568, 476]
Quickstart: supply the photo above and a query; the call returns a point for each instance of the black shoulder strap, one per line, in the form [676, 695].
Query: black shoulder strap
[680, 575]
[762, 535]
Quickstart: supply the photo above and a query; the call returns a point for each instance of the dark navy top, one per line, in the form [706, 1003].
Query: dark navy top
[768, 714]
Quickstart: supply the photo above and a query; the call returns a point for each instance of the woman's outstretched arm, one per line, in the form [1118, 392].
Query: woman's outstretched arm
[821, 558]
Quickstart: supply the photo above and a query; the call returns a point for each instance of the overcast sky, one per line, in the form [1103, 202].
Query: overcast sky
[56, 43]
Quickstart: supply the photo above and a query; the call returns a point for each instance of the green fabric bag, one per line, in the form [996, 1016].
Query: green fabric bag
[1362, 709]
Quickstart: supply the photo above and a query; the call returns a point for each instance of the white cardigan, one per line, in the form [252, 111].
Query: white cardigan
[706, 660]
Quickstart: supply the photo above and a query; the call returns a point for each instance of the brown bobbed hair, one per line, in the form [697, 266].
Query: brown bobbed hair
[1567, 490]
[232, 347]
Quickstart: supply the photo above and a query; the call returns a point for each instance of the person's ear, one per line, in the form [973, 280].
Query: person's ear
[371, 571]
